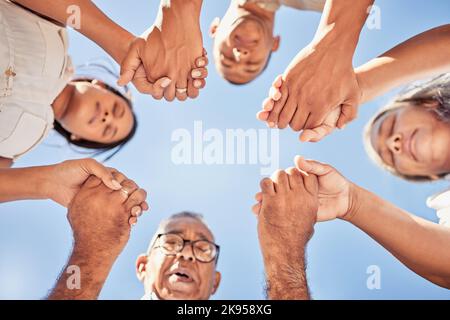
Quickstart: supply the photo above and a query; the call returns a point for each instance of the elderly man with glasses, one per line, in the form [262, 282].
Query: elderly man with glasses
[181, 261]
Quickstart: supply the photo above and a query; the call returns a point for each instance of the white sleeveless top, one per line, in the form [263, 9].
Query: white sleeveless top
[34, 69]
[273, 5]
[441, 203]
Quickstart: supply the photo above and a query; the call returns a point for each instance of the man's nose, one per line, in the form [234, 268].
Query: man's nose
[240, 54]
[394, 143]
[186, 253]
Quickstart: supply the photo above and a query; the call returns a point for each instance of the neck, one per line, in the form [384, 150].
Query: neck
[61, 104]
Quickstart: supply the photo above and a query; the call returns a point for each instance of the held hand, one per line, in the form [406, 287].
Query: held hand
[315, 83]
[171, 48]
[336, 193]
[307, 135]
[101, 218]
[287, 208]
[132, 70]
[66, 179]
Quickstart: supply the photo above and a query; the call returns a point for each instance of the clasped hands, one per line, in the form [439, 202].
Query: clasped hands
[168, 60]
[318, 92]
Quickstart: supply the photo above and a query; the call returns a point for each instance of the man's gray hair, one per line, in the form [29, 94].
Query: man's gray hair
[184, 214]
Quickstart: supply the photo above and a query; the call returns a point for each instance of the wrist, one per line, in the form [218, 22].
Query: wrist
[281, 248]
[175, 14]
[356, 202]
[45, 182]
[367, 88]
[88, 256]
[124, 40]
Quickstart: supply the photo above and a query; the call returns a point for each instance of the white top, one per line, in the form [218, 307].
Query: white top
[441, 203]
[34, 69]
[274, 5]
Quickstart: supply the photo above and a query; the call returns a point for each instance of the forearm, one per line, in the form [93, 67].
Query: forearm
[174, 12]
[341, 23]
[24, 183]
[421, 245]
[88, 283]
[94, 24]
[285, 274]
[422, 56]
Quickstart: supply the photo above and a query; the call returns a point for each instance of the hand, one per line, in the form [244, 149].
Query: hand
[287, 209]
[307, 135]
[132, 69]
[170, 49]
[319, 79]
[336, 194]
[65, 179]
[101, 218]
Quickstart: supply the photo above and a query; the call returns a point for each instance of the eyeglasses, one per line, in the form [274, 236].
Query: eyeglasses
[203, 250]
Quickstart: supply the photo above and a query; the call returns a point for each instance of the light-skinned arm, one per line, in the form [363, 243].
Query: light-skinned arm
[422, 56]
[422, 246]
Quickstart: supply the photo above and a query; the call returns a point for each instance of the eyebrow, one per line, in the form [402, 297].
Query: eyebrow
[200, 235]
[382, 153]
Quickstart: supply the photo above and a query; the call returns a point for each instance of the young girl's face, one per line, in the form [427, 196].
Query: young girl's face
[97, 114]
[413, 141]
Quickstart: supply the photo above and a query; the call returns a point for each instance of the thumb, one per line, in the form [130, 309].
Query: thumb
[310, 166]
[348, 113]
[129, 67]
[101, 172]
[157, 89]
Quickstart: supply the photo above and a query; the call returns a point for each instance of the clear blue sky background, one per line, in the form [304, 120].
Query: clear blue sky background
[35, 238]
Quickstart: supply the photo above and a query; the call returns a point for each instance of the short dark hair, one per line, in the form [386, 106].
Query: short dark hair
[101, 148]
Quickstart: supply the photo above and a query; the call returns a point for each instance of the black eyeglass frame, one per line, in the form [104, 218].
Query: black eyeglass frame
[216, 258]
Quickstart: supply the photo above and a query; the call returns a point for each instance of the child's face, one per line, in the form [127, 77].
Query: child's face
[96, 114]
[413, 140]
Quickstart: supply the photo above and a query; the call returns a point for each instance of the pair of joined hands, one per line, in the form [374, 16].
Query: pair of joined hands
[168, 60]
[293, 200]
[317, 93]
[103, 204]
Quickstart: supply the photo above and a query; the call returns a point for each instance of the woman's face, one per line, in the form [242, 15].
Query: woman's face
[413, 141]
[96, 114]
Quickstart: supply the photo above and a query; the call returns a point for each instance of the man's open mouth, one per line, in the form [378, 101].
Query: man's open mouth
[181, 275]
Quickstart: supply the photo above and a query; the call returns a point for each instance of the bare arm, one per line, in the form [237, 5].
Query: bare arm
[286, 274]
[99, 218]
[5, 162]
[421, 245]
[59, 182]
[94, 24]
[23, 183]
[93, 272]
[307, 81]
[422, 56]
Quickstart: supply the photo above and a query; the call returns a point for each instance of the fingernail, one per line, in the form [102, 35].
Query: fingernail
[166, 82]
[137, 212]
[197, 84]
[201, 63]
[271, 124]
[277, 95]
[196, 74]
[116, 184]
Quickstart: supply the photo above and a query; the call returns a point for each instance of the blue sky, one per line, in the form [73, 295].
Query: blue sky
[35, 237]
